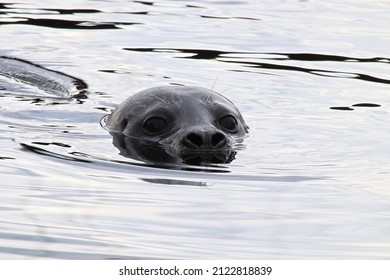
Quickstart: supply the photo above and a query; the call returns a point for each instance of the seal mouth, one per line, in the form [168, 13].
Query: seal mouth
[206, 157]
[206, 151]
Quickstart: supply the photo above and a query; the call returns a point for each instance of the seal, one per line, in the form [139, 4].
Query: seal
[186, 121]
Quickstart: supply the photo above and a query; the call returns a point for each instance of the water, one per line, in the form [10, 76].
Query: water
[312, 181]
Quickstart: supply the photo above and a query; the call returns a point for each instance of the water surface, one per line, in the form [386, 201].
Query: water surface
[311, 182]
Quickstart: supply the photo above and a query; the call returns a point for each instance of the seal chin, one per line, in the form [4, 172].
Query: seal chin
[204, 158]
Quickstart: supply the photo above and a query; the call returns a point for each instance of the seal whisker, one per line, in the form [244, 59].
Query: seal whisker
[225, 90]
[216, 79]
[162, 100]
[208, 98]
[173, 98]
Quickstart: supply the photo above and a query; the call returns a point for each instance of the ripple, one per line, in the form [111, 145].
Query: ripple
[214, 172]
[38, 77]
[246, 59]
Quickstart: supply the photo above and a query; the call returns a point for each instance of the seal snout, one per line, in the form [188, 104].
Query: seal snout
[205, 139]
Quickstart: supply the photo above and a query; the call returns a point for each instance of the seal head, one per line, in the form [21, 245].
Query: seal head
[184, 120]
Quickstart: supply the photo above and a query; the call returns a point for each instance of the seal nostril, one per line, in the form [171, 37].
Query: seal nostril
[194, 139]
[218, 139]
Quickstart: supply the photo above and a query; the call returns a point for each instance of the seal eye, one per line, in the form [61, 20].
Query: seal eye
[229, 123]
[154, 124]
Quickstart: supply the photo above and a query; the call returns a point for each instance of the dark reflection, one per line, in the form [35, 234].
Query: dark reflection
[342, 108]
[57, 23]
[219, 17]
[243, 59]
[9, 9]
[3, 158]
[345, 108]
[155, 153]
[215, 54]
[51, 143]
[366, 105]
[318, 72]
[145, 3]
[45, 101]
[73, 11]
[151, 3]
[326, 57]
[68, 24]
[194, 53]
[165, 181]
[41, 151]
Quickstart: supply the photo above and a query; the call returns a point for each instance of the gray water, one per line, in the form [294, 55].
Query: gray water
[311, 182]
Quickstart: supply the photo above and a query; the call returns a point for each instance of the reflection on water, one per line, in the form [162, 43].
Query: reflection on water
[248, 60]
[310, 183]
[356, 105]
[56, 23]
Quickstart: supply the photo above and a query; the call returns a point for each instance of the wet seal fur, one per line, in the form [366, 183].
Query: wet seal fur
[177, 124]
